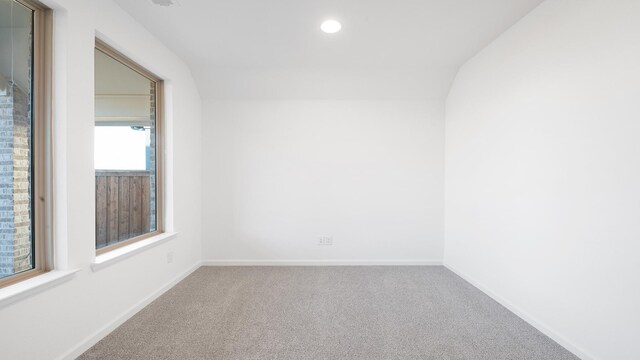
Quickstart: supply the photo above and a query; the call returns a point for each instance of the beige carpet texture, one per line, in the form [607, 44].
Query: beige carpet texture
[359, 312]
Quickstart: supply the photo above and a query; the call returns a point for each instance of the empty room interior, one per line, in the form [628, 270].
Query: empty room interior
[320, 179]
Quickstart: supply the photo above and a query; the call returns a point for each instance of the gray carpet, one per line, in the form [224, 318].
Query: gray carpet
[325, 313]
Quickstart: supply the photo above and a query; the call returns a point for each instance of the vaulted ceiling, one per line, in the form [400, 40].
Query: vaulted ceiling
[274, 49]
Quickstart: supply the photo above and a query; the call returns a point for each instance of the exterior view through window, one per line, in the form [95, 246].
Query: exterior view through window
[22, 59]
[126, 150]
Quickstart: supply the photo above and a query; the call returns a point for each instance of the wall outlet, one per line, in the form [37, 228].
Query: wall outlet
[325, 241]
[169, 257]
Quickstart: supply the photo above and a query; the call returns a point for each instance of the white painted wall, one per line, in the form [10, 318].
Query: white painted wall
[63, 320]
[543, 173]
[279, 174]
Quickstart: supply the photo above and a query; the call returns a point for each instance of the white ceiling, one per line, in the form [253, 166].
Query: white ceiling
[274, 49]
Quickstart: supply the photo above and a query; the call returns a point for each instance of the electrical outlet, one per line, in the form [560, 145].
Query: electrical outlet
[169, 257]
[325, 241]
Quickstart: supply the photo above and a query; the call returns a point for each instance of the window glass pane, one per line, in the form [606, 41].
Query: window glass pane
[124, 153]
[16, 73]
[132, 153]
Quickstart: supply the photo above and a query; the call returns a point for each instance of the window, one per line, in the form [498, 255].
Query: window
[128, 150]
[24, 98]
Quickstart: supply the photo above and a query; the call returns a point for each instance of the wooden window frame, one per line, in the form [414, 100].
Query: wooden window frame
[42, 184]
[159, 128]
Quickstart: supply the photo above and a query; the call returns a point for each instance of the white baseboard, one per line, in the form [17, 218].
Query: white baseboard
[218, 262]
[92, 339]
[575, 349]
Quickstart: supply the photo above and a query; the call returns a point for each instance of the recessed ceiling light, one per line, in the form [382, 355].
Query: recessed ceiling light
[163, 2]
[331, 26]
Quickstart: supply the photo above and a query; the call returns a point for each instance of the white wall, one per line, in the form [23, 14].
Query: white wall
[279, 174]
[63, 320]
[543, 173]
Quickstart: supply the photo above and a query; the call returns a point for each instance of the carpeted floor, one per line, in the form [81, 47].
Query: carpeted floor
[305, 313]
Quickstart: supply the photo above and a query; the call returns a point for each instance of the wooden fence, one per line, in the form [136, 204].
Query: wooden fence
[122, 205]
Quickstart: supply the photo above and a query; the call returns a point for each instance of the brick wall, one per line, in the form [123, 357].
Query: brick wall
[21, 181]
[15, 192]
[6, 186]
[152, 160]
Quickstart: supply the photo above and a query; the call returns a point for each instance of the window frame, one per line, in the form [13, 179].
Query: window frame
[160, 144]
[42, 144]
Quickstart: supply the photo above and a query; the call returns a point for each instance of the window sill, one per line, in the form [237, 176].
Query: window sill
[34, 285]
[112, 257]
